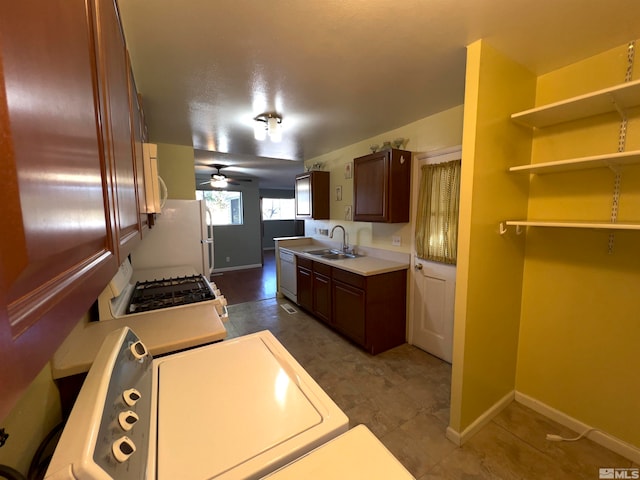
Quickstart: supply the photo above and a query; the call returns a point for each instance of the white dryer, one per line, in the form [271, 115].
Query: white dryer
[356, 455]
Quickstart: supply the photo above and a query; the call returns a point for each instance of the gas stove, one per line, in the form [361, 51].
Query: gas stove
[165, 290]
[169, 292]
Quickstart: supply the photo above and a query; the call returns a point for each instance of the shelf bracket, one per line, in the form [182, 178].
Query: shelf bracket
[502, 228]
[631, 51]
[622, 140]
[622, 133]
[614, 205]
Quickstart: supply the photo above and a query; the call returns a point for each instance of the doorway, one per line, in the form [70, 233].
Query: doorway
[432, 284]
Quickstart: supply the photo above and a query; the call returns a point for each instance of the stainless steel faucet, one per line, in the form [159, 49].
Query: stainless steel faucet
[345, 245]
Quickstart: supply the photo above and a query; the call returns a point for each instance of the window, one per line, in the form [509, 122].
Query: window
[438, 204]
[278, 209]
[225, 206]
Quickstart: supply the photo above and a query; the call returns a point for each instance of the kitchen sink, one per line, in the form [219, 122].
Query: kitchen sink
[332, 254]
[324, 251]
[339, 256]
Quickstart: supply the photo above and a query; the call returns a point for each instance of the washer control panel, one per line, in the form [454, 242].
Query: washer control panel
[122, 445]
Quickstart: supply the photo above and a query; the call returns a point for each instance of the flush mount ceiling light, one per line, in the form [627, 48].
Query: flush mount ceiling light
[268, 124]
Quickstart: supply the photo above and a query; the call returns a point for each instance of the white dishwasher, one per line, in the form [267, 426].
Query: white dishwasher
[288, 280]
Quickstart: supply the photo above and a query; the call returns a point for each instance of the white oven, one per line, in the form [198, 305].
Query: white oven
[238, 409]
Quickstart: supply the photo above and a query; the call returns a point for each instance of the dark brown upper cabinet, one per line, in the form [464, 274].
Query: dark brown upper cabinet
[381, 186]
[312, 195]
[71, 210]
[58, 249]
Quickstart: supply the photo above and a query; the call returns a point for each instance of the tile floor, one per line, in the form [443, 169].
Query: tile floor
[402, 395]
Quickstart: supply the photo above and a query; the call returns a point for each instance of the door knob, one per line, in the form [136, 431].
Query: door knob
[418, 266]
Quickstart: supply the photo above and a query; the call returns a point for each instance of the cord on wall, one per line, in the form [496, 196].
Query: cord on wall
[557, 438]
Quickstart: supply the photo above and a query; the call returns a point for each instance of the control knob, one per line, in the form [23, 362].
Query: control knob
[131, 396]
[138, 350]
[220, 302]
[127, 420]
[123, 448]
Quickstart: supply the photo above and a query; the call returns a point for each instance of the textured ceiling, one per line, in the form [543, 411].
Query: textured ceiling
[339, 71]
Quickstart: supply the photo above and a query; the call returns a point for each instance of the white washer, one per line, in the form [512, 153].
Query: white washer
[236, 409]
[356, 455]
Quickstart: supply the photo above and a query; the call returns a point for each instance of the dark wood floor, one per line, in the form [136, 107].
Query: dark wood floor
[251, 284]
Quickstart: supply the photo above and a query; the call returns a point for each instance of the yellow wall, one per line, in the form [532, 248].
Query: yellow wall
[437, 131]
[176, 167]
[489, 270]
[580, 331]
[33, 417]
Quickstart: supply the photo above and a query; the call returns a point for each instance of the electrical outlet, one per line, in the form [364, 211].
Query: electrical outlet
[347, 212]
[396, 240]
[228, 259]
[324, 231]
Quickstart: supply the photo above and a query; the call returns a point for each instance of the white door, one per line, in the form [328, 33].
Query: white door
[432, 292]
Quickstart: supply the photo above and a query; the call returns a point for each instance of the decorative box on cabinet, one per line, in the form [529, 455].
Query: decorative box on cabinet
[312, 195]
[381, 186]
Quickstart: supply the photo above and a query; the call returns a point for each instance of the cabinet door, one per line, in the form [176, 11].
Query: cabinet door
[305, 288]
[349, 310]
[381, 186]
[303, 196]
[322, 296]
[57, 251]
[312, 195]
[371, 179]
[116, 124]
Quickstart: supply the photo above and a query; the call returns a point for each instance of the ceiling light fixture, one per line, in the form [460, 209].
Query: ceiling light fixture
[219, 181]
[268, 124]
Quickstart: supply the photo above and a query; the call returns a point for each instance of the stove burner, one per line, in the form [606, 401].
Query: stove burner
[169, 292]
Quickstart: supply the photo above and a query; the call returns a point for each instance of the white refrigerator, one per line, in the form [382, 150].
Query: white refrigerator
[182, 235]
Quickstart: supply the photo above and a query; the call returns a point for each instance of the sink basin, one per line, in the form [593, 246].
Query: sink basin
[332, 254]
[339, 256]
[324, 251]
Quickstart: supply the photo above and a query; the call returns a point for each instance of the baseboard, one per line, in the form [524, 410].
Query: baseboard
[608, 441]
[460, 438]
[240, 267]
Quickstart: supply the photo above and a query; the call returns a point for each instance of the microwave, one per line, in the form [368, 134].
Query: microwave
[156, 191]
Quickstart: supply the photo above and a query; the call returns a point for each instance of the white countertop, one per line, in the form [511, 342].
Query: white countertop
[162, 331]
[363, 265]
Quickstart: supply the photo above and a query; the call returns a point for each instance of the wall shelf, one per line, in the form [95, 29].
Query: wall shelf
[575, 224]
[616, 159]
[618, 98]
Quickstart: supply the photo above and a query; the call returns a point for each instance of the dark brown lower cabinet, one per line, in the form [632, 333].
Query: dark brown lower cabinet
[322, 292]
[369, 310]
[349, 307]
[305, 284]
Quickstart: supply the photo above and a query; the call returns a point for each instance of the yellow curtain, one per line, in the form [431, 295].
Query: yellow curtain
[438, 205]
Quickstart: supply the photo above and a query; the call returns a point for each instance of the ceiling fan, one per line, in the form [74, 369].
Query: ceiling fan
[220, 180]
